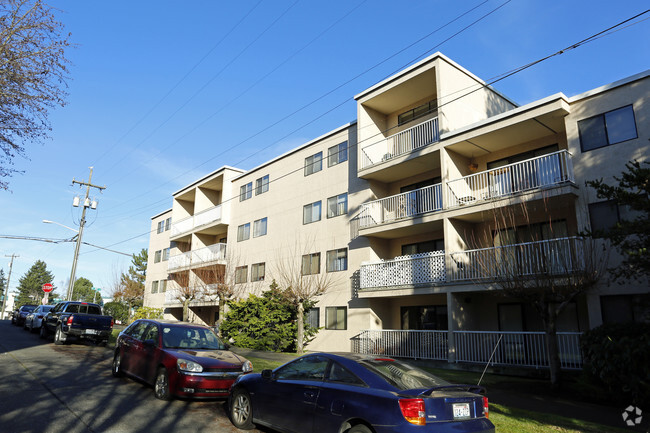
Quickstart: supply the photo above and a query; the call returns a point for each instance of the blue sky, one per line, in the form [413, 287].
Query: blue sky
[163, 92]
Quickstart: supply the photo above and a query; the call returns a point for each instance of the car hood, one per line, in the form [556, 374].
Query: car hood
[210, 357]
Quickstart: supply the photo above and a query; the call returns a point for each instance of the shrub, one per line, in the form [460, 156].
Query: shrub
[617, 356]
[118, 310]
[148, 313]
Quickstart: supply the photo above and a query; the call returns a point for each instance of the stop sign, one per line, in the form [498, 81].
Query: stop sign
[47, 287]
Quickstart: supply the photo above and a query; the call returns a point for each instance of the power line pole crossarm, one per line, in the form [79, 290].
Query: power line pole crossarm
[86, 204]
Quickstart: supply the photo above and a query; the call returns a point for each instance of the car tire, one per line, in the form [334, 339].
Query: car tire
[161, 385]
[359, 428]
[59, 336]
[241, 410]
[116, 368]
[25, 326]
[43, 333]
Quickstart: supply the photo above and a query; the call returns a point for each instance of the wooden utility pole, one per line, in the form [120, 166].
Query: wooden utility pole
[6, 292]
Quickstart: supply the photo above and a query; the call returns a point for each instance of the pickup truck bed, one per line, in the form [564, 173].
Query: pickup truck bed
[79, 320]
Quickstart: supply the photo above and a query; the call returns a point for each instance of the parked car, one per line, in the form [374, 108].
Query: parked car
[178, 359]
[34, 320]
[18, 318]
[323, 392]
[77, 320]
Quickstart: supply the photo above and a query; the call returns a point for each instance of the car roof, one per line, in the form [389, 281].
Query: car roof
[175, 323]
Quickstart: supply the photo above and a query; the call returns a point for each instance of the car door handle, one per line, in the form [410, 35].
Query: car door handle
[309, 394]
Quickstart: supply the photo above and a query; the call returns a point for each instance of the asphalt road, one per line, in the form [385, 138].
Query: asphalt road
[69, 388]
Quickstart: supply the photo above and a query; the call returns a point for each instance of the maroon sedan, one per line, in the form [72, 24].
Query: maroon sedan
[178, 359]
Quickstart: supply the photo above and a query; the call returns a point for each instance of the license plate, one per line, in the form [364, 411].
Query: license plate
[92, 331]
[461, 410]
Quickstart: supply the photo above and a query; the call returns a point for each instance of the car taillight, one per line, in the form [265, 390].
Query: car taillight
[486, 409]
[70, 319]
[112, 323]
[413, 410]
[40, 316]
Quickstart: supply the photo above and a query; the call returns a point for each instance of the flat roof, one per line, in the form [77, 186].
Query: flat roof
[161, 213]
[223, 168]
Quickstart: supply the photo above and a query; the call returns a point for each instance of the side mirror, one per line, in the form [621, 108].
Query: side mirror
[267, 374]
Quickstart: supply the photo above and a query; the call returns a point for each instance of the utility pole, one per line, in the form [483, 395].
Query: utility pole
[6, 293]
[86, 204]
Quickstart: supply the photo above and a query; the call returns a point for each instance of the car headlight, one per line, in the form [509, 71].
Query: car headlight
[247, 367]
[187, 365]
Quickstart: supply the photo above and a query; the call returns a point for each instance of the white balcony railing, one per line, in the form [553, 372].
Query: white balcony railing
[199, 257]
[424, 268]
[543, 171]
[401, 143]
[400, 206]
[208, 216]
[524, 349]
[201, 294]
[548, 257]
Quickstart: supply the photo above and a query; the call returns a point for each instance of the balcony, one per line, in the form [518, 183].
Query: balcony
[417, 269]
[400, 206]
[203, 218]
[536, 173]
[197, 258]
[203, 295]
[402, 143]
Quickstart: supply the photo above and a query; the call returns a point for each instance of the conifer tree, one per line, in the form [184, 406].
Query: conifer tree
[30, 285]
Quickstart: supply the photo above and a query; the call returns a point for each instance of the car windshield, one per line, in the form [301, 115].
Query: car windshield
[27, 308]
[184, 337]
[401, 374]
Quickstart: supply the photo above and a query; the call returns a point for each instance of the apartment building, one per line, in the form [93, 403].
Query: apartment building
[413, 211]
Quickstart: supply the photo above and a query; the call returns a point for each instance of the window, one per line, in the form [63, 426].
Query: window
[424, 317]
[337, 260]
[311, 213]
[241, 274]
[310, 264]
[259, 227]
[313, 317]
[165, 254]
[603, 216]
[340, 374]
[336, 318]
[337, 154]
[307, 368]
[161, 226]
[262, 185]
[162, 286]
[337, 205]
[168, 223]
[246, 191]
[313, 163]
[423, 247]
[609, 128]
[257, 271]
[157, 256]
[243, 232]
[419, 111]
[154, 287]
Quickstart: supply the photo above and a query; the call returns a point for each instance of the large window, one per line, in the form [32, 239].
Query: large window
[259, 227]
[243, 232]
[262, 185]
[603, 216]
[424, 317]
[337, 260]
[258, 271]
[336, 318]
[608, 128]
[337, 205]
[246, 191]
[423, 247]
[419, 111]
[310, 264]
[337, 154]
[311, 212]
[313, 163]
[241, 274]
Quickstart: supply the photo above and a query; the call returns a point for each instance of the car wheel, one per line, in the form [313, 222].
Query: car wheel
[116, 369]
[359, 428]
[59, 336]
[241, 410]
[161, 385]
[43, 334]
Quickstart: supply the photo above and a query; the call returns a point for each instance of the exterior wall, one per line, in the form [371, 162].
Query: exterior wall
[156, 271]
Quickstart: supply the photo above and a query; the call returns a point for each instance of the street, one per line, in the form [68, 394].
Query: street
[69, 388]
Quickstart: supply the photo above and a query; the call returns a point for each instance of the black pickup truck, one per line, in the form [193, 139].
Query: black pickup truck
[79, 320]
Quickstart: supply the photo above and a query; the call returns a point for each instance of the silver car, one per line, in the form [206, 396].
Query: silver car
[34, 319]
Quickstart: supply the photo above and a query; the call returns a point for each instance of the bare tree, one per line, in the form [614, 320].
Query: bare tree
[301, 280]
[534, 259]
[33, 75]
[186, 292]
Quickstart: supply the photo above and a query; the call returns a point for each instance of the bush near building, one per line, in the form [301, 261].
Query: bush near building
[119, 311]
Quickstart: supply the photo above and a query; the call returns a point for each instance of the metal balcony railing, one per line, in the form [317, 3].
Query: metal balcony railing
[548, 257]
[401, 143]
[208, 216]
[425, 268]
[400, 206]
[198, 257]
[543, 171]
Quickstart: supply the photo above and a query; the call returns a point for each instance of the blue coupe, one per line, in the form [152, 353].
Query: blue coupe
[351, 393]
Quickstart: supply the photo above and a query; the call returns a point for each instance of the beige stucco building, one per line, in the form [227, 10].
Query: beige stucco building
[403, 209]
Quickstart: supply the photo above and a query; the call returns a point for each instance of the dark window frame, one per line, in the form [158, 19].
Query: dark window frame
[607, 137]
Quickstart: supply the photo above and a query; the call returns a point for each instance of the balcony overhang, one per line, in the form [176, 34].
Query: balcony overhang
[420, 224]
[420, 161]
[521, 125]
[402, 92]
[442, 287]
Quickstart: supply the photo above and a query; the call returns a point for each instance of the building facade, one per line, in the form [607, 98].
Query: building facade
[410, 214]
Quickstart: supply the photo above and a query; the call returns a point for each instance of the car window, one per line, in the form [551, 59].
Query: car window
[340, 374]
[151, 333]
[72, 308]
[308, 368]
[137, 330]
[47, 308]
[401, 374]
[185, 337]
